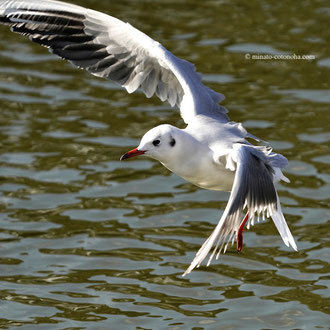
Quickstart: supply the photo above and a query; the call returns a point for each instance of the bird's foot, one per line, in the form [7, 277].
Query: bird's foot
[239, 238]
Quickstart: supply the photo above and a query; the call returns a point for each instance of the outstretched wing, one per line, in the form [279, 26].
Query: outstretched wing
[110, 48]
[253, 187]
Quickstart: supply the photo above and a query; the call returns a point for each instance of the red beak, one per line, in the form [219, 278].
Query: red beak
[132, 153]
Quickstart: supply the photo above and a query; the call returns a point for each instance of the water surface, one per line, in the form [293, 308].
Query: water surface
[88, 242]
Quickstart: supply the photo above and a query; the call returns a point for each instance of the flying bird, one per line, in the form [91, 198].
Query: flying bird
[210, 152]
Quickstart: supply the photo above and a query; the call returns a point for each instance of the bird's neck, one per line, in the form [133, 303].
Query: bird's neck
[188, 155]
[193, 161]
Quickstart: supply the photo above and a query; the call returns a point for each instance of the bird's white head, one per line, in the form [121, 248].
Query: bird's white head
[159, 143]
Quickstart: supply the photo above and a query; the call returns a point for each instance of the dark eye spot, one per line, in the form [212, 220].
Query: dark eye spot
[172, 142]
[156, 143]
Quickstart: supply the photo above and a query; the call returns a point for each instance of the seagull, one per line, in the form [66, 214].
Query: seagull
[211, 152]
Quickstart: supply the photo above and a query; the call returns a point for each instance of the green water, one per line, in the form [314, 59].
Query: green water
[88, 242]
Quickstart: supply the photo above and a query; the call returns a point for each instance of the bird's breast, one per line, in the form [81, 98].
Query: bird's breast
[204, 173]
[212, 178]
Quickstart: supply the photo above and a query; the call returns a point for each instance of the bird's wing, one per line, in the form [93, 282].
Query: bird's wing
[253, 188]
[110, 48]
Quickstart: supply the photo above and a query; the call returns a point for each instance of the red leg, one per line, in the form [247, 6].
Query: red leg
[240, 233]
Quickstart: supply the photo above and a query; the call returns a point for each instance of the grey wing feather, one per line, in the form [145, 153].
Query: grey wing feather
[253, 188]
[79, 36]
[110, 48]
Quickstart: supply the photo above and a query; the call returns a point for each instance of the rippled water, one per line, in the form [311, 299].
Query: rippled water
[87, 241]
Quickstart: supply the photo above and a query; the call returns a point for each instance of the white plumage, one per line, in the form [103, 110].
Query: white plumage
[211, 151]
